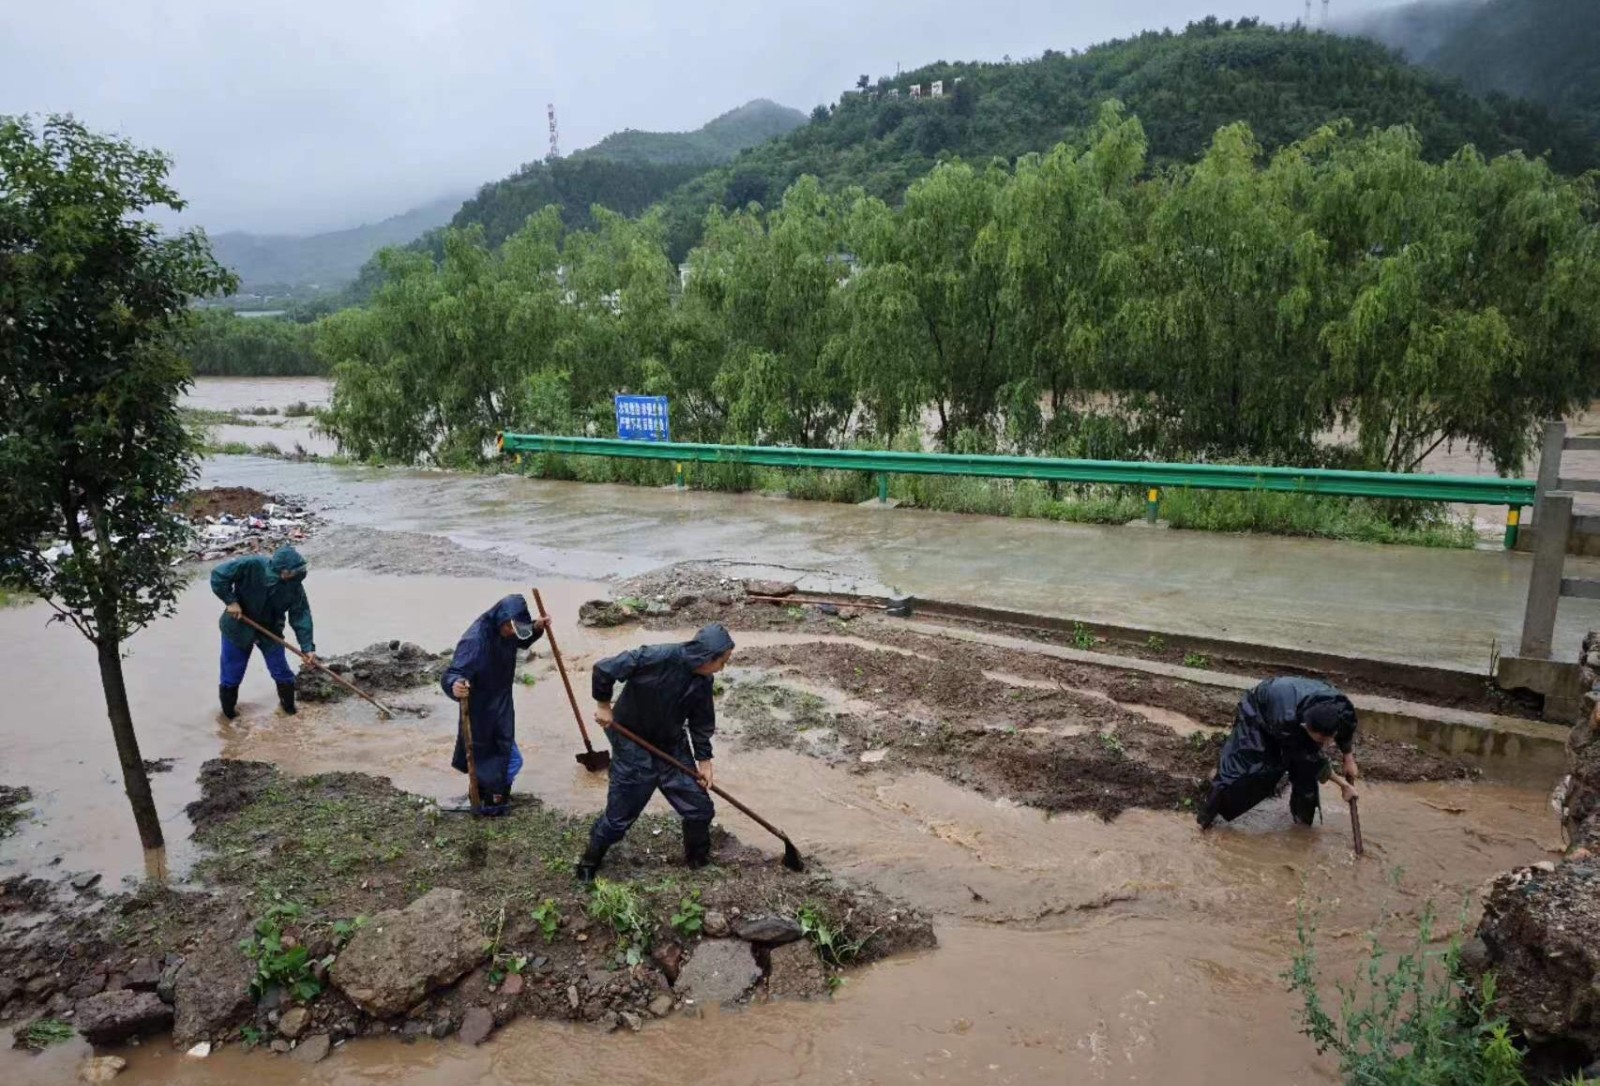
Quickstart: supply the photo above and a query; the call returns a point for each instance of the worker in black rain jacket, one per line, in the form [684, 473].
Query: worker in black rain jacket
[1282, 727]
[483, 671]
[266, 591]
[666, 690]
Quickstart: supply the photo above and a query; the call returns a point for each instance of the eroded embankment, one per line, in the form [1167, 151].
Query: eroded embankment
[336, 906]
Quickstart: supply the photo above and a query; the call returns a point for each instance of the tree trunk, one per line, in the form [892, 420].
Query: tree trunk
[135, 781]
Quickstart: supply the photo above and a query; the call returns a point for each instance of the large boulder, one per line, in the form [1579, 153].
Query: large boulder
[403, 954]
[113, 1017]
[211, 992]
[721, 971]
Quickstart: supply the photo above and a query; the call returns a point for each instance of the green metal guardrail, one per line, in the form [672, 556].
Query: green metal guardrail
[1465, 489]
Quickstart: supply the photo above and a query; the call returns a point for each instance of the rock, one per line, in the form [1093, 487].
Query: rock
[633, 1021]
[402, 954]
[199, 1051]
[604, 613]
[294, 1022]
[86, 881]
[572, 996]
[512, 985]
[313, 1049]
[212, 991]
[768, 929]
[476, 1026]
[769, 588]
[687, 599]
[442, 1029]
[796, 973]
[661, 1006]
[112, 1017]
[872, 757]
[91, 985]
[719, 971]
[167, 986]
[714, 925]
[101, 1068]
[669, 957]
[280, 1046]
[656, 609]
[611, 1021]
[143, 975]
[1546, 866]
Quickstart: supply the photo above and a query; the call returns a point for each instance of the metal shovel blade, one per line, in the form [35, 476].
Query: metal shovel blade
[595, 761]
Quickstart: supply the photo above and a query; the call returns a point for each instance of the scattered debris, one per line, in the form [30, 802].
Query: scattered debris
[384, 666]
[229, 521]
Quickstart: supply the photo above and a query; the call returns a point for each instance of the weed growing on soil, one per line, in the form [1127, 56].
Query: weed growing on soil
[1113, 745]
[1155, 643]
[1196, 659]
[282, 961]
[833, 947]
[298, 410]
[1408, 1019]
[251, 1036]
[690, 917]
[44, 1033]
[527, 678]
[1082, 637]
[548, 917]
[621, 906]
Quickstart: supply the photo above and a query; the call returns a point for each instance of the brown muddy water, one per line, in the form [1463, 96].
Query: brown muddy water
[1071, 949]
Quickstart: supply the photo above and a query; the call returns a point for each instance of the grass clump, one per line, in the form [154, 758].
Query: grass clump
[282, 959]
[298, 410]
[45, 1032]
[1408, 1018]
[620, 905]
[12, 812]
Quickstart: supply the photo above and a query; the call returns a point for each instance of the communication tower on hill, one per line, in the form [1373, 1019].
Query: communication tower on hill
[1306, 22]
[1324, 14]
[555, 144]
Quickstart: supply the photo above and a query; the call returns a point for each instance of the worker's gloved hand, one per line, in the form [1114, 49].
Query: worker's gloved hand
[235, 611]
[602, 716]
[461, 688]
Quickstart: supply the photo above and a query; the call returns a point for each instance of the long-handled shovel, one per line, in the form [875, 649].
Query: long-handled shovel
[338, 678]
[595, 761]
[472, 762]
[791, 855]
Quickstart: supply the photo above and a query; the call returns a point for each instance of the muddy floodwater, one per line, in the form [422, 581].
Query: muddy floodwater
[1071, 949]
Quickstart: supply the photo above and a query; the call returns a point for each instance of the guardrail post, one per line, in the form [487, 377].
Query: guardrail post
[1513, 519]
[1549, 481]
[883, 488]
[1152, 505]
[678, 467]
[1544, 582]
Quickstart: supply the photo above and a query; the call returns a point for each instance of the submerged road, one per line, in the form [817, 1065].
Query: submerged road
[1408, 604]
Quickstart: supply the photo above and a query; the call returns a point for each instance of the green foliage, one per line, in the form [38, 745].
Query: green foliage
[1155, 643]
[718, 140]
[1112, 743]
[1082, 636]
[281, 958]
[548, 917]
[226, 345]
[690, 917]
[1196, 659]
[252, 1036]
[622, 906]
[298, 410]
[44, 1032]
[94, 304]
[834, 947]
[1409, 1018]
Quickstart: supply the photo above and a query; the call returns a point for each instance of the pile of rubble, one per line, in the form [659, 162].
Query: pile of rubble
[237, 520]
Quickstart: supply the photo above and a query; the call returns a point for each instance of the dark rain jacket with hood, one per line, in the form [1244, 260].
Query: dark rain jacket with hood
[254, 584]
[488, 661]
[1269, 739]
[662, 692]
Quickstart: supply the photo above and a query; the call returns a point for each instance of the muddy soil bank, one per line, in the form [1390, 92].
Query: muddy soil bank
[14, 802]
[1540, 933]
[337, 906]
[379, 668]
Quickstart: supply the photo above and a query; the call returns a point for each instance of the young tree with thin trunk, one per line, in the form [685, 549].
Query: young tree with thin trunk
[94, 299]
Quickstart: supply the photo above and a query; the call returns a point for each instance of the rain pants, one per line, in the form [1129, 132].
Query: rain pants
[662, 696]
[1269, 742]
[255, 585]
[488, 661]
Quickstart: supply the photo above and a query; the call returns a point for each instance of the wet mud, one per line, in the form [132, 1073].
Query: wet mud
[388, 666]
[233, 501]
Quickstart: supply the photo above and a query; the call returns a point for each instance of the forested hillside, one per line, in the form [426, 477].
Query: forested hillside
[1547, 51]
[1183, 87]
[716, 141]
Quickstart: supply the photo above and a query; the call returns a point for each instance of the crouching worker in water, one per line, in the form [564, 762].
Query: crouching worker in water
[1282, 727]
[483, 671]
[667, 687]
[264, 590]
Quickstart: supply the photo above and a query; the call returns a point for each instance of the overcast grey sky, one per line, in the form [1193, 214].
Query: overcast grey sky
[301, 115]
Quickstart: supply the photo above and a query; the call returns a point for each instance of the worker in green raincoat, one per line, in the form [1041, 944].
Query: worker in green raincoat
[265, 590]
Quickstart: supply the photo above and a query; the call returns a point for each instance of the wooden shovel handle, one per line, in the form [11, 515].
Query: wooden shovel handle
[555, 651]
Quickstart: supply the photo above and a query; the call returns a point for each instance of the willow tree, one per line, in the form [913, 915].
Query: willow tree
[94, 301]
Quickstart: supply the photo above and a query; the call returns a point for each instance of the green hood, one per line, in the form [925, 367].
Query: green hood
[287, 558]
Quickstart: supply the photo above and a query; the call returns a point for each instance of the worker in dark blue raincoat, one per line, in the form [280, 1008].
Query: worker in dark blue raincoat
[666, 700]
[483, 670]
[1282, 728]
[266, 591]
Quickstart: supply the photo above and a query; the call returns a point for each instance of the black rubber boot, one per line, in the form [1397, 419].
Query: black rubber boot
[229, 696]
[1207, 814]
[286, 697]
[697, 843]
[589, 863]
